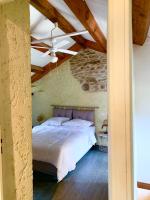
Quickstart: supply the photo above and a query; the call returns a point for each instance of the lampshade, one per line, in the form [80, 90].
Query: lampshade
[40, 118]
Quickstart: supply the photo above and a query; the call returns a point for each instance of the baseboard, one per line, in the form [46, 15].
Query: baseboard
[142, 185]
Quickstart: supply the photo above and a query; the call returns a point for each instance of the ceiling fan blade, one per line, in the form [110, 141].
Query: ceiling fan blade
[61, 43]
[41, 40]
[67, 51]
[46, 53]
[38, 21]
[59, 37]
[38, 47]
[70, 35]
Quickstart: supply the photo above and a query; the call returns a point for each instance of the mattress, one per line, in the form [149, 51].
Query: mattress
[62, 146]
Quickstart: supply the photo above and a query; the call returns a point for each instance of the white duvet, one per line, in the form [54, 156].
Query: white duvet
[62, 146]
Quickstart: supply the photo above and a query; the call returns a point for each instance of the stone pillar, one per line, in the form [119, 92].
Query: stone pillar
[15, 100]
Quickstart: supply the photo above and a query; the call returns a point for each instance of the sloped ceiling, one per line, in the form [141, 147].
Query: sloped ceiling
[40, 27]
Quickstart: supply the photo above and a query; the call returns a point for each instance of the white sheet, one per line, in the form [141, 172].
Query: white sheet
[62, 146]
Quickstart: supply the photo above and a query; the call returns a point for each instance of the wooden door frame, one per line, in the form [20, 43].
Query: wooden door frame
[121, 172]
[120, 118]
[1, 183]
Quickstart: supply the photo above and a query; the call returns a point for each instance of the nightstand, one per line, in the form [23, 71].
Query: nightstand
[102, 141]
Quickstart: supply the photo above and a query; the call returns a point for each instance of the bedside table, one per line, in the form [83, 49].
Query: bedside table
[102, 141]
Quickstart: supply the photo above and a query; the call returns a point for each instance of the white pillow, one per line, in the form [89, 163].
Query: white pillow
[55, 121]
[78, 123]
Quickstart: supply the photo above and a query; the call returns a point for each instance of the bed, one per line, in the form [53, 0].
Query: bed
[57, 149]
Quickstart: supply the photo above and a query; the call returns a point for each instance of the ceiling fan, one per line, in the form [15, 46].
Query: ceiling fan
[56, 47]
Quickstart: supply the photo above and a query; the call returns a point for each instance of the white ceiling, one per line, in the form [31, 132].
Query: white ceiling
[61, 6]
[40, 26]
[99, 11]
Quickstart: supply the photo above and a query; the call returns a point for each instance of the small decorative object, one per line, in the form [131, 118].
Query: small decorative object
[102, 137]
[105, 126]
[40, 118]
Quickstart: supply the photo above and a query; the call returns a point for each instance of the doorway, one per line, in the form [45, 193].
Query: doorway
[123, 150]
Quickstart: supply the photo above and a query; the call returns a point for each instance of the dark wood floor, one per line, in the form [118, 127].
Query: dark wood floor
[87, 182]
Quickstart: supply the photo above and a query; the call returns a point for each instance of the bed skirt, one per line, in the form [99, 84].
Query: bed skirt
[45, 168]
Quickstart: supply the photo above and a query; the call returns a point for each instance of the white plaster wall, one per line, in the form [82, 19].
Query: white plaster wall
[61, 88]
[142, 110]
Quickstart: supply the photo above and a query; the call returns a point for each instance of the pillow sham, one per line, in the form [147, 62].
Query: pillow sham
[55, 121]
[60, 112]
[78, 123]
[84, 114]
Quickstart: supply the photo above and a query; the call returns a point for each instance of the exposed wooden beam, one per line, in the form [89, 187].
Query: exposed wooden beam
[142, 185]
[140, 20]
[52, 66]
[53, 15]
[40, 49]
[83, 13]
[36, 69]
[39, 45]
[94, 46]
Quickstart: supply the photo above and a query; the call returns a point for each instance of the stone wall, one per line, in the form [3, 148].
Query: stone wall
[89, 67]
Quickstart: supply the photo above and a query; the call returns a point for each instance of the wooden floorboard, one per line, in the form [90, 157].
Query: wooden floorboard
[88, 182]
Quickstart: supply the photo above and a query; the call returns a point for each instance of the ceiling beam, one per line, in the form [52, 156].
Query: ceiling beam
[83, 13]
[140, 20]
[40, 44]
[49, 67]
[53, 15]
[93, 45]
[36, 69]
